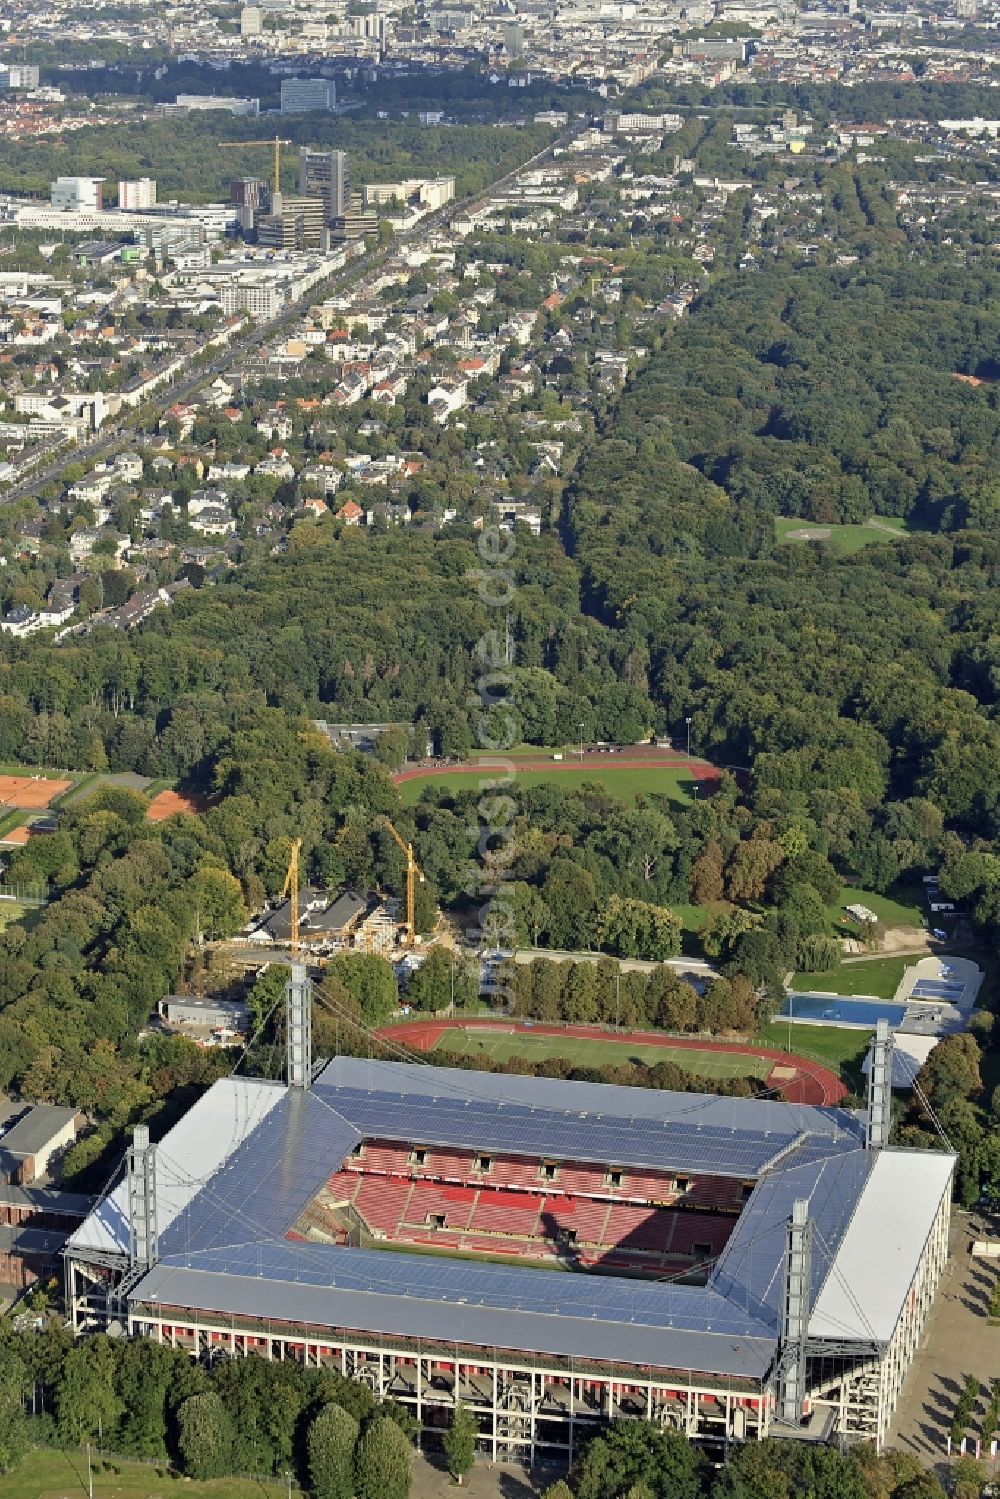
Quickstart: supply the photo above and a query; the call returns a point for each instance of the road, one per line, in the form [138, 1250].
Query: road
[108, 440]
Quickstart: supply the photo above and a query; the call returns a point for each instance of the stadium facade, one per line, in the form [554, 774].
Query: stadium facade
[732, 1268]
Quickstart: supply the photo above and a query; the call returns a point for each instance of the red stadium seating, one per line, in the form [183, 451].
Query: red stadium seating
[579, 1181]
[382, 1159]
[514, 1206]
[513, 1213]
[427, 1200]
[382, 1203]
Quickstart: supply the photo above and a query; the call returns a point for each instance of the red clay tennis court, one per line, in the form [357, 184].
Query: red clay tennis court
[169, 803]
[30, 793]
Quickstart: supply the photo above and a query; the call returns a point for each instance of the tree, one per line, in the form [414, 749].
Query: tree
[819, 954]
[630, 1452]
[390, 747]
[220, 911]
[13, 1427]
[205, 1436]
[441, 974]
[330, 1444]
[85, 1397]
[570, 894]
[369, 979]
[382, 1462]
[952, 1071]
[460, 1442]
[706, 882]
[558, 1490]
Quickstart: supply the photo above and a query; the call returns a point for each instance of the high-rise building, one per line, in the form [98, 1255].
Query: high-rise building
[250, 192]
[299, 223]
[19, 75]
[251, 21]
[300, 95]
[77, 194]
[140, 193]
[325, 174]
[513, 39]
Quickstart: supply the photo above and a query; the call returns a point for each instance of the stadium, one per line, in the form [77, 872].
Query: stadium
[552, 1254]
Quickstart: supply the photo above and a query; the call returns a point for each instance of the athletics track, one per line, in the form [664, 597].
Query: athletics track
[810, 1083]
[493, 769]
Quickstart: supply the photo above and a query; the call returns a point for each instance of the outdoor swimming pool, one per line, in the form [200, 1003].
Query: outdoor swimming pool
[833, 1010]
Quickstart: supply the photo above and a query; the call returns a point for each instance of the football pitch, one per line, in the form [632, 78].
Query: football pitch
[590, 1051]
[627, 782]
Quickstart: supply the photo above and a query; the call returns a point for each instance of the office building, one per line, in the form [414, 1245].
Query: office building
[166, 237]
[325, 174]
[353, 224]
[261, 299]
[296, 224]
[226, 102]
[77, 194]
[300, 95]
[251, 21]
[138, 194]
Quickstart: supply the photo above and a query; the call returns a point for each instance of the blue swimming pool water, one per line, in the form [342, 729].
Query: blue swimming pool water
[834, 1011]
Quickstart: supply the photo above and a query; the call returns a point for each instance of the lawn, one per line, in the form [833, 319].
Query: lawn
[10, 912]
[904, 911]
[843, 541]
[596, 1051]
[839, 1049]
[676, 785]
[878, 976]
[63, 1475]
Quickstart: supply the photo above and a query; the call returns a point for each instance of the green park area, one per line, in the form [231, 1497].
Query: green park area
[878, 976]
[63, 1475]
[903, 909]
[676, 785]
[597, 1051]
[843, 541]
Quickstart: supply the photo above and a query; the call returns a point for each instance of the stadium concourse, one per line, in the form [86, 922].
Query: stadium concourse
[796, 1079]
[553, 1254]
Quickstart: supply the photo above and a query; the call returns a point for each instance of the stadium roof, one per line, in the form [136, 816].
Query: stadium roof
[863, 1293]
[236, 1172]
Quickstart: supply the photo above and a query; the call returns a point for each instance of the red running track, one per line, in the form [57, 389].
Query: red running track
[698, 770]
[813, 1083]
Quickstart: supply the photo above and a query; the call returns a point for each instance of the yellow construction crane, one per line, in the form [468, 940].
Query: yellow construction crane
[412, 871]
[291, 887]
[277, 142]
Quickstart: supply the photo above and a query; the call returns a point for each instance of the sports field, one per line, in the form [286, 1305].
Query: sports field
[30, 792]
[171, 803]
[593, 1051]
[796, 1078]
[628, 782]
[844, 541]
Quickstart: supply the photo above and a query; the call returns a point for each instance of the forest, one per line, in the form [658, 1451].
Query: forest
[181, 152]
